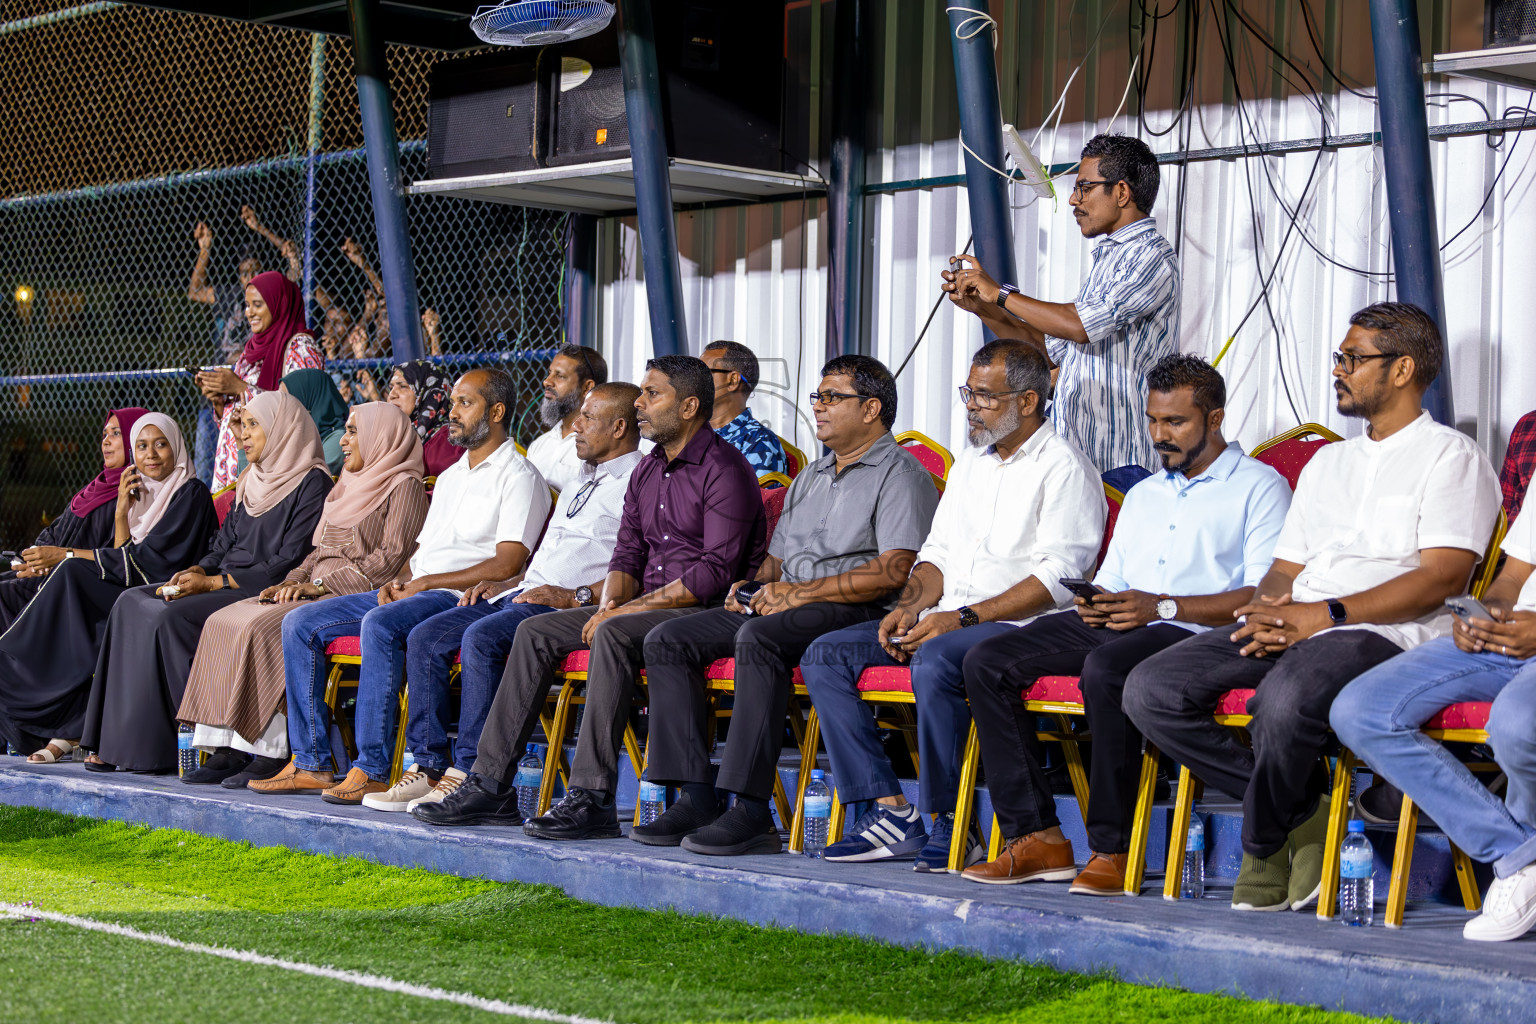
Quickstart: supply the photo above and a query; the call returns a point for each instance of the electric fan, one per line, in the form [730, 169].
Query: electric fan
[540, 22]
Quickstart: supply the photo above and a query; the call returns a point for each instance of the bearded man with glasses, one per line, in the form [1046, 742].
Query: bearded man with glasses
[1125, 318]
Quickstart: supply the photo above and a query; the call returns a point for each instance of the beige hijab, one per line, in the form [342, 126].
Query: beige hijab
[145, 513]
[293, 449]
[391, 454]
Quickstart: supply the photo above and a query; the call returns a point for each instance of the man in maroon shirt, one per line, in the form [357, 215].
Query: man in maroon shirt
[693, 524]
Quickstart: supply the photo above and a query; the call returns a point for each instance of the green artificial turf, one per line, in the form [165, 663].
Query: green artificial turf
[522, 944]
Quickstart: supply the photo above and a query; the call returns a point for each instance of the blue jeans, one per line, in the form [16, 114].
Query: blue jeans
[831, 668]
[1379, 716]
[484, 631]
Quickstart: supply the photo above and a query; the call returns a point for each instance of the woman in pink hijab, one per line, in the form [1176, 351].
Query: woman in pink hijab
[235, 696]
[281, 342]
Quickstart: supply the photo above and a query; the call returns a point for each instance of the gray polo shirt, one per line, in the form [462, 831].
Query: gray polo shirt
[834, 522]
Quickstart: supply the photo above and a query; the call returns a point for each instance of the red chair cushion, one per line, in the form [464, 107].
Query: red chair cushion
[725, 668]
[1061, 689]
[886, 677]
[773, 507]
[345, 645]
[1469, 714]
[1109, 527]
[1289, 458]
[576, 661]
[1234, 702]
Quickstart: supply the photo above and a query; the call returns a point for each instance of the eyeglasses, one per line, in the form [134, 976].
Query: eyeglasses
[1082, 188]
[986, 399]
[1349, 362]
[833, 397]
[580, 501]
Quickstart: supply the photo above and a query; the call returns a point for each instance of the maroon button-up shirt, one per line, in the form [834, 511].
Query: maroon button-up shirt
[698, 519]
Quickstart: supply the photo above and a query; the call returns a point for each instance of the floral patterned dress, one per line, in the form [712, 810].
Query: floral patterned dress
[303, 353]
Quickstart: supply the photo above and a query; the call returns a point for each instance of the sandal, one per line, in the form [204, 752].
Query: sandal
[94, 763]
[54, 752]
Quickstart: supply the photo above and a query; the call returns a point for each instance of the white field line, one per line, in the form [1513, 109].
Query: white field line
[374, 981]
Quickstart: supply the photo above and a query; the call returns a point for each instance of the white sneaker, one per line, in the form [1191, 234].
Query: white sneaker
[1509, 910]
[452, 779]
[412, 784]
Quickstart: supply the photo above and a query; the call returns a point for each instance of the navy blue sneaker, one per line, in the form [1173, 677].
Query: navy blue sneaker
[881, 833]
[935, 856]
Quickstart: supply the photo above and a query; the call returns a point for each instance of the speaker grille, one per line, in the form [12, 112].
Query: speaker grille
[1509, 22]
[590, 123]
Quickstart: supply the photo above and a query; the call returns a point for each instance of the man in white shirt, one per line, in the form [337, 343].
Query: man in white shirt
[1022, 509]
[486, 514]
[1189, 546]
[1382, 529]
[573, 373]
[571, 560]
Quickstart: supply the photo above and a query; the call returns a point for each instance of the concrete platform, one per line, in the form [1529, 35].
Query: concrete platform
[1425, 972]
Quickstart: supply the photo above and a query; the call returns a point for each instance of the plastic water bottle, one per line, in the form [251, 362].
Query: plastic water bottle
[407, 762]
[1193, 886]
[818, 815]
[530, 775]
[1357, 891]
[186, 753]
[653, 801]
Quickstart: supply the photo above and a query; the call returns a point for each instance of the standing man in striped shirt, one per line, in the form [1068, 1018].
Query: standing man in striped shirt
[1126, 316]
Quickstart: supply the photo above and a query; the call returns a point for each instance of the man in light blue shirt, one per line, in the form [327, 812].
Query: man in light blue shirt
[1189, 546]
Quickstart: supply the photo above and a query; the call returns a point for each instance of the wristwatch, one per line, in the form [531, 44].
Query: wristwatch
[1003, 292]
[69, 552]
[584, 596]
[1336, 612]
[1167, 608]
[968, 616]
[319, 584]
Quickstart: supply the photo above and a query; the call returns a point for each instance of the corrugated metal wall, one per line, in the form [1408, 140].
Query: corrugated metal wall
[758, 274]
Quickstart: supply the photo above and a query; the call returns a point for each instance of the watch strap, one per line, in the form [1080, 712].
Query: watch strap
[1003, 292]
[1337, 611]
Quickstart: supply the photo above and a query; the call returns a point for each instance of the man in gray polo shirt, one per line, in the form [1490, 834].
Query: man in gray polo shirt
[852, 524]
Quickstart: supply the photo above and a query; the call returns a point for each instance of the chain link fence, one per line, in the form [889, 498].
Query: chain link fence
[138, 139]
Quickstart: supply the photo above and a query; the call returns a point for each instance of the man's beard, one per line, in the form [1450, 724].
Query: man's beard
[981, 436]
[555, 410]
[1357, 407]
[1190, 457]
[472, 436]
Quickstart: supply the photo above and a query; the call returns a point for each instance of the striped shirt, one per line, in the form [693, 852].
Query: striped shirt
[1129, 306]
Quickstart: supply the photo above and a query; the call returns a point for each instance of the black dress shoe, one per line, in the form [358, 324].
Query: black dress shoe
[225, 762]
[580, 815]
[682, 819]
[259, 770]
[473, 803]
[738, 831]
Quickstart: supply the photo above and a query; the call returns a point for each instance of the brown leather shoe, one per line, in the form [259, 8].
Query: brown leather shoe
[1026, 859]
[353, 788]
[293, 779]
[1103, 876]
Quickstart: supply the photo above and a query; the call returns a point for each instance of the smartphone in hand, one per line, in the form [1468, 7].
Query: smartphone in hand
[1469, 608]
[744, 596]
[1082, 588]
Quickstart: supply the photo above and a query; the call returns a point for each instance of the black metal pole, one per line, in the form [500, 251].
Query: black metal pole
[653, 181]
[981, 129]
[845, 184]
[382, 151]
[1410, 185]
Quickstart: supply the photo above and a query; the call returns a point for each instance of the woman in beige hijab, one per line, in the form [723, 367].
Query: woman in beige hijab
[235, 695]
[152, 634]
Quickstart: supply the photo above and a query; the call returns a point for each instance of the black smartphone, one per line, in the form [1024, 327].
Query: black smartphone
[1082, 588]
[744, 596]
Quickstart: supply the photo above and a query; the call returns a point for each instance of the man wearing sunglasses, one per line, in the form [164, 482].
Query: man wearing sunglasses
[1125, 318]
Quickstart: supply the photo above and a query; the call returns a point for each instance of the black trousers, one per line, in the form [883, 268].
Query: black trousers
[767, 649]
[997, 671]
[1172, 698]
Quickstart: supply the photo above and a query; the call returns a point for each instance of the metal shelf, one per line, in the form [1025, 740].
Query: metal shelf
[608, 187]
[1505, 65]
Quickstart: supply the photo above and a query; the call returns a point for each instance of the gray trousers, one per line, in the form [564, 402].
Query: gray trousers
[542, 644]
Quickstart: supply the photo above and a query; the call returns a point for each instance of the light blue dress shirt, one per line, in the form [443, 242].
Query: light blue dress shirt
[1209, 535]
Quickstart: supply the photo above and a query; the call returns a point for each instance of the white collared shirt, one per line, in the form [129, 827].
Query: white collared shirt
[1190, 538]
[554, 454]
[579, 542]
[1364, 509]
[503, 499]
[1040, 513]
[1520, 544]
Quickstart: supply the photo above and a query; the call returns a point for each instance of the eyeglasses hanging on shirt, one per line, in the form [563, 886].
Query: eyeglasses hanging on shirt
[579, 502]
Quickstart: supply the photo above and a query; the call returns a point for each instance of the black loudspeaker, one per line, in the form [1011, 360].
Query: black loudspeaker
[1509, 23]
[486, 115]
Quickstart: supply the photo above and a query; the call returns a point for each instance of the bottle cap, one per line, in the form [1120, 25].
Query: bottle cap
[531, 747]
[1356, 825]
[817, 774]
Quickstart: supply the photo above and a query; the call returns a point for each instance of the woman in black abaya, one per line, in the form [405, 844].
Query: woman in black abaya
[163, 519]
[146, 655]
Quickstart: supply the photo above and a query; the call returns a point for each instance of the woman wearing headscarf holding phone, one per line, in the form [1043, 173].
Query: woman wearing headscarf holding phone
[146, 654]
[420, 390]
[86, 523]
[160, 523]
[281, 342]
[235, 695]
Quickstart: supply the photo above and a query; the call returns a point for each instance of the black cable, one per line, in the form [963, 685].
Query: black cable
[931, 314]
[1306, 16]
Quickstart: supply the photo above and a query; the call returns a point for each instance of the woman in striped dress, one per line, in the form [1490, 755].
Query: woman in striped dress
[235, 696]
